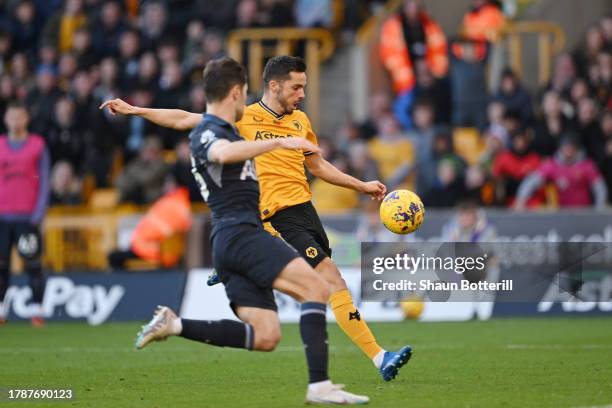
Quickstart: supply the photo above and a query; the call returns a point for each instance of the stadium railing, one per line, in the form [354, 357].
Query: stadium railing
[262, 43]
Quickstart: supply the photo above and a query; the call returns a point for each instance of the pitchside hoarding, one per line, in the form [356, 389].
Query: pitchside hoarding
[98, 298]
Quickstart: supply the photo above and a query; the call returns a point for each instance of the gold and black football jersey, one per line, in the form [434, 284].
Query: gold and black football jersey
[281, 174]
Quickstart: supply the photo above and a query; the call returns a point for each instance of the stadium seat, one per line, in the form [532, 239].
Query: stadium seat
[468, 144]
[104, 199]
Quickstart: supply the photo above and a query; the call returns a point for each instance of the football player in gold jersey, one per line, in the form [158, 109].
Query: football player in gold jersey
[285, 194]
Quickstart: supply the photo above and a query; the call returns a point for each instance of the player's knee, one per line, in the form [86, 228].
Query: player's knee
[267, 340]
[318, 290]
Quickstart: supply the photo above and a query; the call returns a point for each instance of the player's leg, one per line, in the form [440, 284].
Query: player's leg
[29, 247]
[301, 282]
[352, 323]
[301, 227]
[5, 254]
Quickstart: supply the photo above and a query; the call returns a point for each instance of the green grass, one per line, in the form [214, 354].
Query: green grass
[498, 363]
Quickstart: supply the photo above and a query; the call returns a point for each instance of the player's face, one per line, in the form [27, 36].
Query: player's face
[291, 92]
[16, 120]
[241, 97]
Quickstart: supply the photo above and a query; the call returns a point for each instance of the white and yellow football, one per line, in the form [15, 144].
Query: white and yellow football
[402, 212]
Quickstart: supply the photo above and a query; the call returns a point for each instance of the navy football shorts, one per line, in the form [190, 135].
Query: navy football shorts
[248, 259]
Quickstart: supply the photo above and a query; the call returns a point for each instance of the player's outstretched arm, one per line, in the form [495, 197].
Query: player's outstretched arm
[319, 167]
[223, 151]
[169, 118]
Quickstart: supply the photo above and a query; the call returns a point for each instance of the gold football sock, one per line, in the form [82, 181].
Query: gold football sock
[352, 324]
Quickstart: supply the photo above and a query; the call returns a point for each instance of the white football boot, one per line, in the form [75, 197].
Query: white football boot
[329, 393]
[159, 328]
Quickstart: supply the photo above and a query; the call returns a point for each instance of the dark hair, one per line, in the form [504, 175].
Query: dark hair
[278, 68]
[220, 76]
[15, 104]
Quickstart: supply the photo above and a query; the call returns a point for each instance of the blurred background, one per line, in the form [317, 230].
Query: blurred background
[497, 113]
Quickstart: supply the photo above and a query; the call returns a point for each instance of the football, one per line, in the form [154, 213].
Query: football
[402, 212]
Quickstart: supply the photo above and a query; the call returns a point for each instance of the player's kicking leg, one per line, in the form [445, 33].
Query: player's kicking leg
[355, 327]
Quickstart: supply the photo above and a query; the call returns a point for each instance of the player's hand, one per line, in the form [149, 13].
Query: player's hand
[375, 189]
[297, 143]
[118, 106]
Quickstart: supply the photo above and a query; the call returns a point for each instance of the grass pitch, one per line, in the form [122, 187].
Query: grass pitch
[498, 363]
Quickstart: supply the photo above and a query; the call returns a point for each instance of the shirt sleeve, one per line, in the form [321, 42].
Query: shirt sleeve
[310, 135]
[202, 141]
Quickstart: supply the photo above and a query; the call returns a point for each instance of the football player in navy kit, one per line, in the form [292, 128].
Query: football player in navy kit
[249, 260]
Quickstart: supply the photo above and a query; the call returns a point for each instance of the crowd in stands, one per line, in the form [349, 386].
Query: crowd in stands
[63, 58]
[445, 135]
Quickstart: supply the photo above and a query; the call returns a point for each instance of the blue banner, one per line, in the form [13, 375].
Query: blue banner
[98, 298]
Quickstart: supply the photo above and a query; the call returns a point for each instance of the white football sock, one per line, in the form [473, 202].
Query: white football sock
[314, 387]
[177, 326]
[378, 358]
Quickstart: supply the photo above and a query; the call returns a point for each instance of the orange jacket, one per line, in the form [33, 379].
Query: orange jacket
[169, 215]
[484, 23]
[396, 58]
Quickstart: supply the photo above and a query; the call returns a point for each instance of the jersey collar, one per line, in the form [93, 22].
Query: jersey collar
[270, 111]
[218, 121]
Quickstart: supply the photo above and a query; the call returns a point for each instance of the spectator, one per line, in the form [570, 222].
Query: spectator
[148, 72]
[483, 21]
[152, 24]
[83, 49]
[589, 130]
[67, 67]
[563, 76]
[424, 131]
[604, 158]
[66, 142]
[193, 43]
[586, 54]
[469, 225]
[24, 195]
[575, 177]
[427, 170]
[141, 182]
[468, 84]
[512, 166]
[5, 49]
[169, 215]
[495, 118]
[513, 96]
[129, 48]
[549, 128]
[137, 128]
[379, 105]
[86, 111]
[449, 186]
[42, 98]
[391, 150]
[405, 38]
[221, 14]
[65, 187]
[437, 90]
[109, 29]
[25, 28]
[601, 81]
[61, 27]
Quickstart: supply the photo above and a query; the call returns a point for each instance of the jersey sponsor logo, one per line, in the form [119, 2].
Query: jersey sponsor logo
[355, 316]
[248, 171]
[311, 252]
[267, 135]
